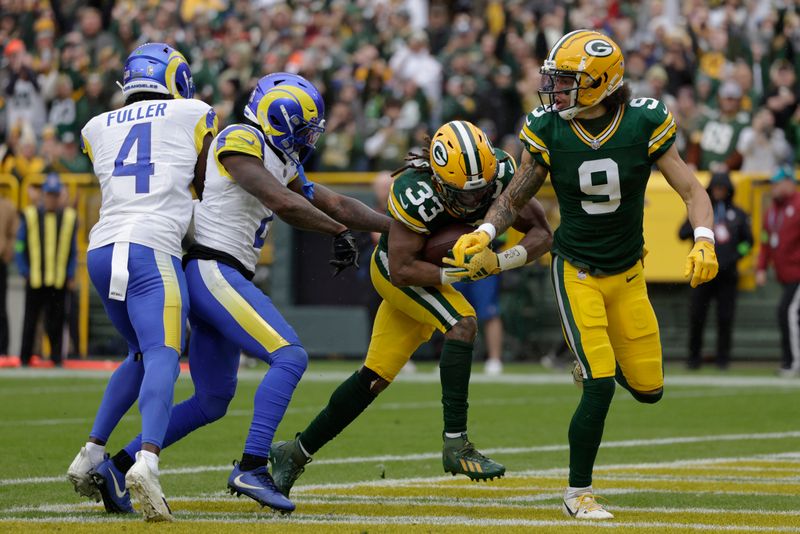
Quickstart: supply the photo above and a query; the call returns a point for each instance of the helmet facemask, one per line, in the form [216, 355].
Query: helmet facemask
[464, 202]
[564, 82]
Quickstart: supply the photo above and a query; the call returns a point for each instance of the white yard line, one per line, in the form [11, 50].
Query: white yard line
[250, 375]
[353, 519]
[514, 450]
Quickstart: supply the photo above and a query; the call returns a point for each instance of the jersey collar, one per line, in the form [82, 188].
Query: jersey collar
[595, 142]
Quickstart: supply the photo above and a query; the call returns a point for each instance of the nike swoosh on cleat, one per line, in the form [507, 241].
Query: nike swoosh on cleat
[237, 481]
[628, 279]
[117, 490]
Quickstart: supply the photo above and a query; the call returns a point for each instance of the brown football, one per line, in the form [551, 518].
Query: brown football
[442, 240]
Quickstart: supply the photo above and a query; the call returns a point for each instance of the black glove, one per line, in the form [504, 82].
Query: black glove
[345, 252]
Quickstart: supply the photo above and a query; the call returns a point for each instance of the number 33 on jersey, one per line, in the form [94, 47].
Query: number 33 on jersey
[600, 175]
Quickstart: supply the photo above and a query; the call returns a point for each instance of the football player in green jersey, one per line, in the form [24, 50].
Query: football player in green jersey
[454, 181]
[598, 147]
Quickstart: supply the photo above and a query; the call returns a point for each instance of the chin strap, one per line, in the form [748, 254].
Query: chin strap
[308, 187]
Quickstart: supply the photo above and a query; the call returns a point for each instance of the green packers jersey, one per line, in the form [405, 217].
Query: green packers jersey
[600, 180]
[414, 202]
[718, 136]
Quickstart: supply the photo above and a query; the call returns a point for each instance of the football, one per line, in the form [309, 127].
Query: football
[442, 240]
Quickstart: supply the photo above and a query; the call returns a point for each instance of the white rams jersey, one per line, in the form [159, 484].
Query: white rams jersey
[229, 219]
[144, 155]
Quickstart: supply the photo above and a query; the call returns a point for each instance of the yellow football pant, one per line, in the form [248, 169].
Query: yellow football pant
[407, 318]
[608, 321]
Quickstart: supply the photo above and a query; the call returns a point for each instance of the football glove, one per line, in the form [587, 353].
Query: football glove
[701, 263]
[469, 244]
[345, 252]
[484, 263]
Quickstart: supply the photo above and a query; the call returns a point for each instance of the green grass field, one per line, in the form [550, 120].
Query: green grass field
[721, 452]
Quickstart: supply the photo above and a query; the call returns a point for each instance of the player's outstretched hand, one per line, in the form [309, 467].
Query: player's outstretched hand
[345, 252]
[484, 263]
[469, 244]
[701, 263]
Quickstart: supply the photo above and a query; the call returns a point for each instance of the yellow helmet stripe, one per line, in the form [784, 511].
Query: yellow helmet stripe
[468, 147]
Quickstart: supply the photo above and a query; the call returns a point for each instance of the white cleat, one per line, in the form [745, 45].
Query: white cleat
[78, 474]
[493, 367]
[146, 491]
[585, 507]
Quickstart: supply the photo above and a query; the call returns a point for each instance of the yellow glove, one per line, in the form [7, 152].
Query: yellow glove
[701, 263]
[480, 265]
[469, 244]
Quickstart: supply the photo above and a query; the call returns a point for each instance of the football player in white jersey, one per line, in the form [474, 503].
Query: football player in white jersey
[254, 172]
[145, 155]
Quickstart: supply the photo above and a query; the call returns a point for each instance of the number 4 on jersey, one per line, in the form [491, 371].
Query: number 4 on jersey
[143, 169]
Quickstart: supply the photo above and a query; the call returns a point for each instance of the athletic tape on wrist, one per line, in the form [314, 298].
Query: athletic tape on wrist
[512, 258]
[702, 231]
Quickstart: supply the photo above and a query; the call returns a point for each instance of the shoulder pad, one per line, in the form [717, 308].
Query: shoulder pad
[242, 139]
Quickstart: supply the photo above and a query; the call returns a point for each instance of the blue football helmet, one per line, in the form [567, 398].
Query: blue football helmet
[290, 111]
[157, 68]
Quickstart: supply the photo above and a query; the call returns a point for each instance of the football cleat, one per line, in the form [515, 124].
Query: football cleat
[78, 474]
[145, 488]
[585, 507]
[259, 486]
[577, 375]
[110, 481]
[459, 457]
[288, 461]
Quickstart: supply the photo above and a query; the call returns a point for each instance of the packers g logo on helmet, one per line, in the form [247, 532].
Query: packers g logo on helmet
[464, 167]
[586, 66]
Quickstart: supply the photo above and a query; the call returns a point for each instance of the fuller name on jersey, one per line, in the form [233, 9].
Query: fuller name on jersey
[229, 219]
[144, 156]
[414, 202]
[600, 180]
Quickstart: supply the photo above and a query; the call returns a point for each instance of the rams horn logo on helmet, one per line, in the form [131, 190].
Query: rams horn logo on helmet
[439, 153]
[598, 48]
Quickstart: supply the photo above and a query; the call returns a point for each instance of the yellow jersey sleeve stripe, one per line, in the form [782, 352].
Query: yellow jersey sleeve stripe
[240, 139]
[87, 148]
[666, 136]
[208, 124]
[533, 147]
[395, 208]
[661, 127]
[533, 138]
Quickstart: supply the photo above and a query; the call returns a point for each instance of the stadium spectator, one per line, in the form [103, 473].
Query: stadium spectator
[713, 145]
[23, 160]
[24, 103]
[733, 241]
[763, 147]
[43, 229]
[780, 247]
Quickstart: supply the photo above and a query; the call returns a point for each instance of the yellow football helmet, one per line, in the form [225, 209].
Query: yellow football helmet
[464, 167]
[585, 65]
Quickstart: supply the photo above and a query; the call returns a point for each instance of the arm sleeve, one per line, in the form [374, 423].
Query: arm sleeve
[664, 131]
[533, 142]
[399, 208]
[207, 124]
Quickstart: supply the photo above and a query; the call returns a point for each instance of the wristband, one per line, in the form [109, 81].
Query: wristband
[702, 231]
[512, 258]
[489, 229]
[447, 277]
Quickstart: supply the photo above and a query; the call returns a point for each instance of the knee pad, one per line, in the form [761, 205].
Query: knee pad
[293, 358]
[213, 407]
[372, 381]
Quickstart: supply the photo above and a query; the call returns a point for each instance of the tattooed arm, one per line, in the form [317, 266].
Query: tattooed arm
[250, 174]
[526, 183]
[529, 178]
[347, 210]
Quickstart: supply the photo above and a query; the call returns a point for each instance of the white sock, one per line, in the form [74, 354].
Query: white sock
[453, 434]
[572, 493]
[151, 459]
[97, 453]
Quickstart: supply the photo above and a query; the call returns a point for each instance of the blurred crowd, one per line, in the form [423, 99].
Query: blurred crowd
[391, 71]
